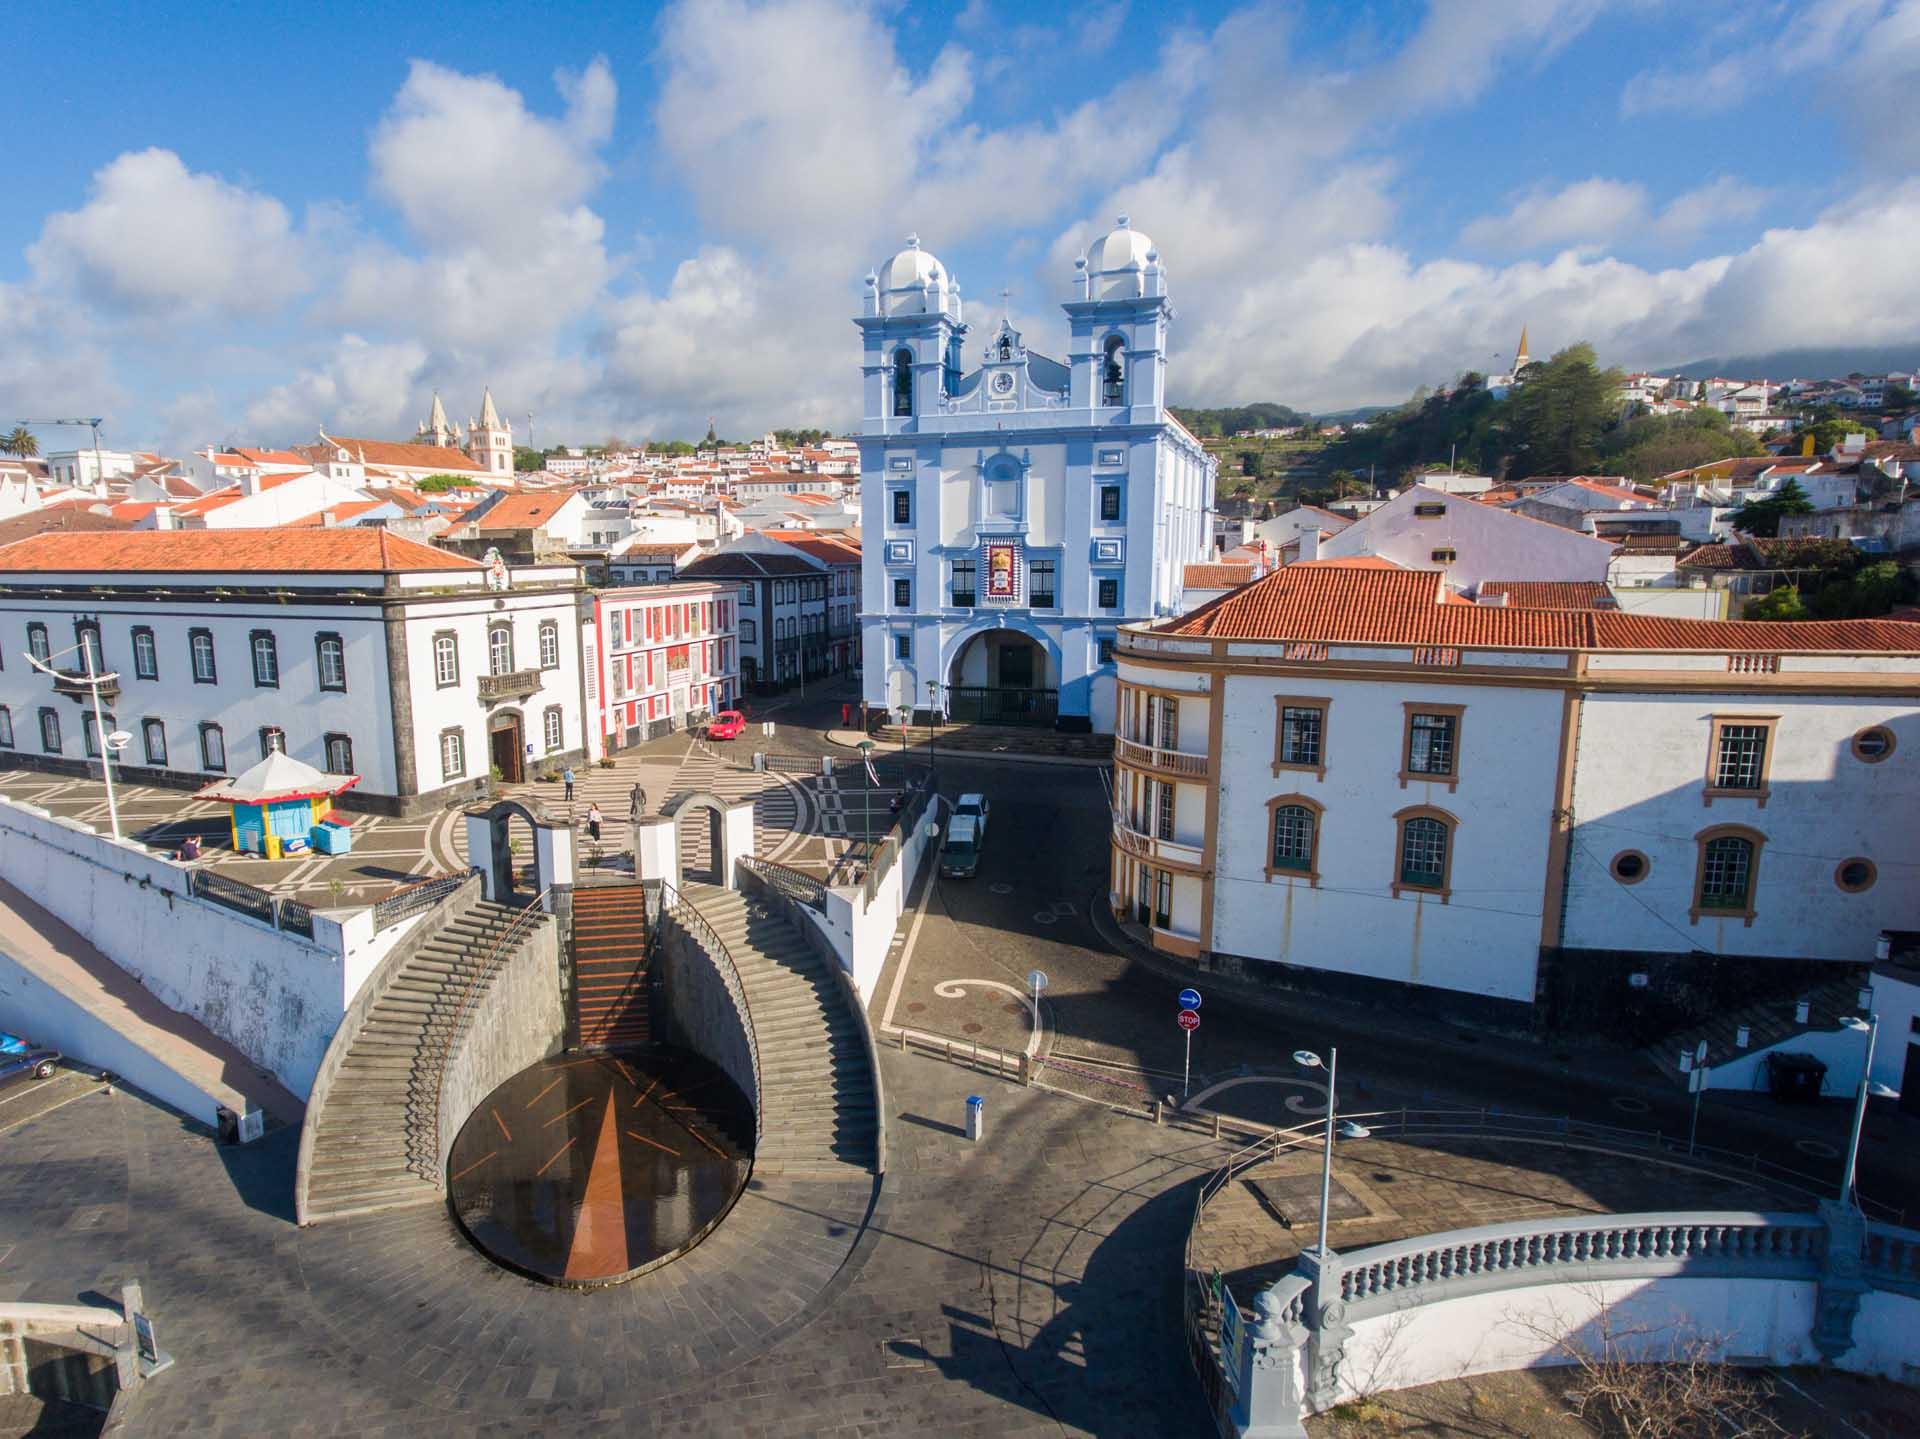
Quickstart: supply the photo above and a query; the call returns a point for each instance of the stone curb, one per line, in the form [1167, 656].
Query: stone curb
[850, 739]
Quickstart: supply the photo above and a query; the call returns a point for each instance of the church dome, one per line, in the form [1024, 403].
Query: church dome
[1117, 259]
[903, 280]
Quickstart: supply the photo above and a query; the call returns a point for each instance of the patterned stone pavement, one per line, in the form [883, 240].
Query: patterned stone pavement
[1025, 1285]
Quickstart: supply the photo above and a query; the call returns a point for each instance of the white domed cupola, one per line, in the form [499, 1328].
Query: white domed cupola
[1118, 262]
[914, 282]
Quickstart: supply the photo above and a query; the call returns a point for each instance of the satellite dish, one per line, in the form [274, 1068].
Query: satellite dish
[118, 740]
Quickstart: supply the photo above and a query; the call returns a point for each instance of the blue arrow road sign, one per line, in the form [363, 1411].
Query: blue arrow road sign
[1189, 999]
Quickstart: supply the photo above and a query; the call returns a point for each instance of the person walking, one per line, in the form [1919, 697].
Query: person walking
[636, 804]
[593, 822]
[566, 778]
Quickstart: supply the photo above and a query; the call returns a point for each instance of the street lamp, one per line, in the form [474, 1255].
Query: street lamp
[866, 814]
[1307, 1059]
[110, 744]
[1870, 1026]
[933, 725]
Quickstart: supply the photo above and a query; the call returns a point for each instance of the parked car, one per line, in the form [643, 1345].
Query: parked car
[974, 807]
[728, 724]
[960, 856]
[20, 1059]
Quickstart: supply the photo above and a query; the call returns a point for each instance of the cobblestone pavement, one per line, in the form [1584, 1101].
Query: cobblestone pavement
[1025, 1285]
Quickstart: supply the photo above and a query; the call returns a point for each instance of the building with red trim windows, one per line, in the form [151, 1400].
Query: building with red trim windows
[660, 658]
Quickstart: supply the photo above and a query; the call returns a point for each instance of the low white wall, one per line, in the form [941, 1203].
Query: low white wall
[1886, 1334]
[275, 996]
[35, 1008]
[860, 930]
[1842, 1051]
[1757, 1319]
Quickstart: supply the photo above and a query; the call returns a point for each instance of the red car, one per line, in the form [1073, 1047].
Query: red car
[728, 724]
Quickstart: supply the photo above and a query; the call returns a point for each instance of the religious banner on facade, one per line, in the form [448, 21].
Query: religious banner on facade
[1003, 572]
[676, 659]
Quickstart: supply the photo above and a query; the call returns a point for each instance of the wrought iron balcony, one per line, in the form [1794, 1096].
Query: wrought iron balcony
[513, 685]
[1163, 761]
[74, 685]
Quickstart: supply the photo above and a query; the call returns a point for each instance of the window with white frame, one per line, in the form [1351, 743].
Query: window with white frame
[453, 754]
[446, 660]
[213, 747]
[200, 649]
[154, 732]
[146, 657]
[266, 659]
[552, 728]
[6, 728]
[339, 750]
[549, 645]
[330, 659]
[500, 650]
[50, 731]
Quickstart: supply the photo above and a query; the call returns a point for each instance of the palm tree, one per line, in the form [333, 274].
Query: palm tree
[21, 442]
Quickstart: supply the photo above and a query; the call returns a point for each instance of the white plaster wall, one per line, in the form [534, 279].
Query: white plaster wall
[1491, 544]
[1898, 1004]
[459, 706]
[298, 705]
[1484, 941]
[36, 1008]
[1638, 782]
[292, 500]
[274, 996]
[1842, 1050]
[1520, 1328]
[1886, 1337]
[1681, 604]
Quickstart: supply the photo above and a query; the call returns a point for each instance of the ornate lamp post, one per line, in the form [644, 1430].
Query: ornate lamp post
[1307, 1059]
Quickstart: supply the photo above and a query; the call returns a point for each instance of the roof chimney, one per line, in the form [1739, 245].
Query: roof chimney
[1310, 543]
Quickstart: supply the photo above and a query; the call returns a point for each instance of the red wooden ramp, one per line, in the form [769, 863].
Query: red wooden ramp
[610, 997]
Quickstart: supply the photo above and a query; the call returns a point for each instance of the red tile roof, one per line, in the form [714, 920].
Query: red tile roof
[438, 458]
[359, 551]
[1215, 577]
[823, 547]
[1312, 602]
[1551, 594]
[523, 512]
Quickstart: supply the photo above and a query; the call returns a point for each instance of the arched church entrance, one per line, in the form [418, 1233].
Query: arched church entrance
[1003, 676]
[506, 744]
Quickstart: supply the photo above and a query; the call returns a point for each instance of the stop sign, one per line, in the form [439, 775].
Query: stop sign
[1188, 1020]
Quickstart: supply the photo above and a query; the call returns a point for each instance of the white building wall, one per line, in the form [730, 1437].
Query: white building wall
[1641, 768]
[298, 706]
[1489, 543]
[1485, 939]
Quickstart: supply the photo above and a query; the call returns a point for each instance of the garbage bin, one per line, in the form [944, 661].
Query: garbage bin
[227, 1124]
[1795, 1078]
[976, 1117]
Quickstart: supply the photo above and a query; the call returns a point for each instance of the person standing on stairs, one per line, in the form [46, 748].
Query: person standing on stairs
[593, 821]
[566, 778]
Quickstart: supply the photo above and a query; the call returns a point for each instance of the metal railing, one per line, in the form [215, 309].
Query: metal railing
[415, 898]
[794, 884]
[682, 909]
[288, 915]
[437, 1041]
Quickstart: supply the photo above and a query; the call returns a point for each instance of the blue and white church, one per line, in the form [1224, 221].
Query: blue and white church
[1015, 515]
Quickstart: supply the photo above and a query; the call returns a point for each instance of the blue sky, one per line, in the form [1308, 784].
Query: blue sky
[267, 219]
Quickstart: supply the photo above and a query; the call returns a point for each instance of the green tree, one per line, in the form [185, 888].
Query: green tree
[440, 484]
[525, 459]
[1898, 399]
[1828, 428]
[1559, 413]
[20, 442]
[669, 447]
[1781, 604]
[1762, 517]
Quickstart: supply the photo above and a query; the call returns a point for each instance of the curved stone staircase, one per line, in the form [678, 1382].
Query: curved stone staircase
[372, 1138]
[818, 1116]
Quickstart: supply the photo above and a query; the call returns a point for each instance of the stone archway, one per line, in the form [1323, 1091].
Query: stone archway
[1002, 674]
[729, 837]
[489, 850]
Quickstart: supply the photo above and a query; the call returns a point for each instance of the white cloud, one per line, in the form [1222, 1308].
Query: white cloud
[159, 239]
[362, 388]
[468, 165]
[1583, 213]
[1860, 58]
[1722, 201]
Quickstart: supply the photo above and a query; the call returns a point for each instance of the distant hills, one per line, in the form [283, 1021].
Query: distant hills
[1808, 364]
[1213, 424]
